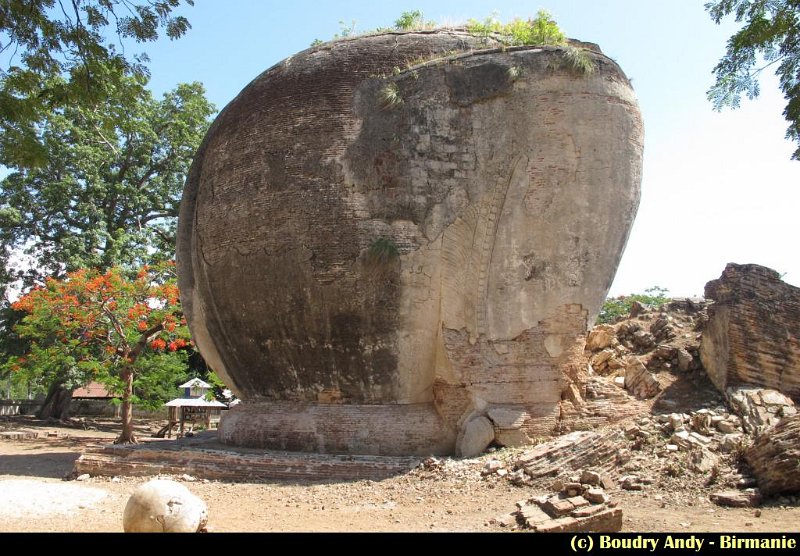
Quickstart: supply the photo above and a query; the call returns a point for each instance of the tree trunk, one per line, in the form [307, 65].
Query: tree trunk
[56, 404]
[127, 436]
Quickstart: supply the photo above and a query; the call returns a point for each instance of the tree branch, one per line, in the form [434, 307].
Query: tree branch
[142, 343]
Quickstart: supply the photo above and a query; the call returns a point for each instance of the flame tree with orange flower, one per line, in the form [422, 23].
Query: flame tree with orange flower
[123, 330]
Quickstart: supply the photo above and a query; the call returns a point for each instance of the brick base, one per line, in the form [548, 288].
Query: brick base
[412, 429]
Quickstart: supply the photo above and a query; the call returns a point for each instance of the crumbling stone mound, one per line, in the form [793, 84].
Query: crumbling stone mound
[753, 332]
[579, 505]
[697, 450]
[634, 350]
[760, 408]
[571, 451]
[775, 458]
[161, 506]
[352, 237]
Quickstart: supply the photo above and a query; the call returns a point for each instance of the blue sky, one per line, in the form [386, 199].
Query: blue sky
[717, 187]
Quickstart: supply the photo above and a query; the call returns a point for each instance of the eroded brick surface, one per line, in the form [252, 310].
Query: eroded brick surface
[753, 332]
[355, 237]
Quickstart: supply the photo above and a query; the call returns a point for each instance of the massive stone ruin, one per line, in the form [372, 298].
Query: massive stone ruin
[753, 333]
[392, 244]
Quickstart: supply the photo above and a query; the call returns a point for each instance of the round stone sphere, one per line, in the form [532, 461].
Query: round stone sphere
[384, 236]
[162, 506]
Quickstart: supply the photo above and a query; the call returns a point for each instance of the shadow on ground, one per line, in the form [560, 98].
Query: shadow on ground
[689, 392]
[49, 465]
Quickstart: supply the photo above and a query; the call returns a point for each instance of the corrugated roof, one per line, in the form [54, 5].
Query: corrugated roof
[194, 402]
[195, 383]
[93, 390]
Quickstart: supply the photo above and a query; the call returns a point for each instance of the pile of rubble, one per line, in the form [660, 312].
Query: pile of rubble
[696, 450]
[580, 504]
[570, 452]
[708, 435]
[760, 408]
[732, 439]
[630, 351]
[775, 457]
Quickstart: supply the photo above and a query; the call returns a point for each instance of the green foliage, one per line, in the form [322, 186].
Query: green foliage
[11, 344]
[539, 31]
[413, 20]
[57, 55]
[109, 190]
[389, 96]
[486, 28]
[217, 387]
[542, 30]
[578, 59]
[621, 306]
[346, 30]
[127, 332]
[382, 251]
[408, 20]
[157, 378]
[771, 31]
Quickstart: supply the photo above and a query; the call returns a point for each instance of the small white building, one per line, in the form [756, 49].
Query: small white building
[193, 406]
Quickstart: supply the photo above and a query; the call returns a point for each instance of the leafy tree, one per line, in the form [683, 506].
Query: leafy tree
[57, 53]
[126, 332]
[772, 32]
[109, 190]
[11, 344]
[616, 307]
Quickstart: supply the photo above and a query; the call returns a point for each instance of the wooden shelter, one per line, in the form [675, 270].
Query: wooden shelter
[192, 407]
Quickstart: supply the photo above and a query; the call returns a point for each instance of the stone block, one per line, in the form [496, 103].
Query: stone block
[752, 337]
[476, 436]
[737, 498]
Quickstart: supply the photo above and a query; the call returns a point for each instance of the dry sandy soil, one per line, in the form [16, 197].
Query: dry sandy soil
[33, 497]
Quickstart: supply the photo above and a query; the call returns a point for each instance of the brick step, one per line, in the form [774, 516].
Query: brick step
[231, 465]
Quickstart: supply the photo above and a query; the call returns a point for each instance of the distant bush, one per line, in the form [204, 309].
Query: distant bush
[542, 30]
[413, 21]
[621, 306]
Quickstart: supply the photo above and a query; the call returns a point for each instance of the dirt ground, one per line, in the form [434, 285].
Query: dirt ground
[33, 497]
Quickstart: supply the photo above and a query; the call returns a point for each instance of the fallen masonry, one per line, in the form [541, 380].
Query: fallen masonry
[577, 507]
[571, 451]
[19, 435]
[775, 458]
[760, 408]
[749, 498]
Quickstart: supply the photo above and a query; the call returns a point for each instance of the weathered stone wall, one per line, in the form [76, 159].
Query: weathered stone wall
[433, 236]
[753, 333]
